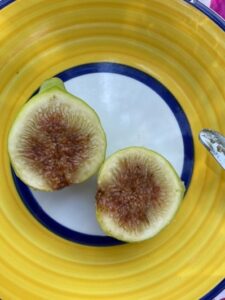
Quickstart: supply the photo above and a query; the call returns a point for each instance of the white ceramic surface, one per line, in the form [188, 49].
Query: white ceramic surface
[221, 296]
[206, 2]
[132, 115]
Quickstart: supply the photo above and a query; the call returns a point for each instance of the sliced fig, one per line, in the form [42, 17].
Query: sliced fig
[56, 139]
[138, 194]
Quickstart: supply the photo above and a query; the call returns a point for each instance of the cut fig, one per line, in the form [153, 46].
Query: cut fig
[56, 139]
[138, 194]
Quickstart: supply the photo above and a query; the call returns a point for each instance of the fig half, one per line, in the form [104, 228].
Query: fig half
[138, 194]
[56, 139]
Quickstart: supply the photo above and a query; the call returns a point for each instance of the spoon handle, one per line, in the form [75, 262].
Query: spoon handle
[214, 143]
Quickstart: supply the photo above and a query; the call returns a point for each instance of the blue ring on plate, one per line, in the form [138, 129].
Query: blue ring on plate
[4, 3]
[108, 67]
[215, 291]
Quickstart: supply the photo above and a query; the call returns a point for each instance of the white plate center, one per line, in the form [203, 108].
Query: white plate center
[132, 114]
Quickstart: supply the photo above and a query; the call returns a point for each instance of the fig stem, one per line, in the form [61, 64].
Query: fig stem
[51, 83]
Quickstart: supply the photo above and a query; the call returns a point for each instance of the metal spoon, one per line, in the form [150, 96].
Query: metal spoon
[215, 144]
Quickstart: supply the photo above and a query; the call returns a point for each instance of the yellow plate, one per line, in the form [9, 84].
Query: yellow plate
[184, 50]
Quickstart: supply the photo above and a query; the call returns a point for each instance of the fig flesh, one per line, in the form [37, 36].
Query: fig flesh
[56, 139]
[138, 194]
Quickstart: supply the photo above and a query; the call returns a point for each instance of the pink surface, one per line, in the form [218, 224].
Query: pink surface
[218, 6]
